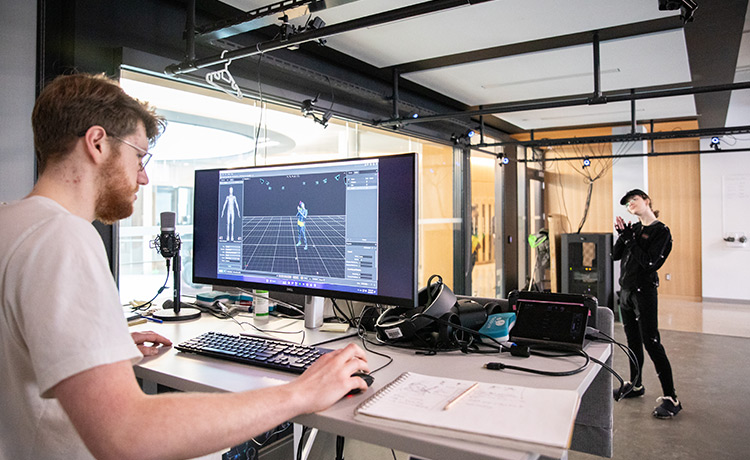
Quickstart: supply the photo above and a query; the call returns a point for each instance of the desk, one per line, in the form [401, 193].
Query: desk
[187, 372]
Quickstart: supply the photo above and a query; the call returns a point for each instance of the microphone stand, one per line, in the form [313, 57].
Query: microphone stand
[175, 310]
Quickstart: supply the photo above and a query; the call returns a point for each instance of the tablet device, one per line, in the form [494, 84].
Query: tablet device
[550, 324]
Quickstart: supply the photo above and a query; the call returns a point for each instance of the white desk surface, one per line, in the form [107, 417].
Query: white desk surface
[188, 372]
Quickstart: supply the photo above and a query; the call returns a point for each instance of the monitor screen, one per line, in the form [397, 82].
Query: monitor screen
[550, 323]
[345, 229]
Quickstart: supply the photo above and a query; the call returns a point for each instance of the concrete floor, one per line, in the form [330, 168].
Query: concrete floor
[711, 374]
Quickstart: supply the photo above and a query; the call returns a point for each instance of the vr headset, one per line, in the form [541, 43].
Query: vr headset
[399, 324]
[441, 321]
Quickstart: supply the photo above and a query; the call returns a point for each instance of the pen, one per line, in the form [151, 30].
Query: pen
[156, 320]
[459, 397]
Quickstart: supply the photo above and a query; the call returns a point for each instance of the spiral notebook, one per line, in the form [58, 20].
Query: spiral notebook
[481, 412]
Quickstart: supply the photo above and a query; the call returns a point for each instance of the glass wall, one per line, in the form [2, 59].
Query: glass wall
[483, 224]
[209, 129]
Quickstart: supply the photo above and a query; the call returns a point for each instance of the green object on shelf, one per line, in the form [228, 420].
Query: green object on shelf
[535, 241]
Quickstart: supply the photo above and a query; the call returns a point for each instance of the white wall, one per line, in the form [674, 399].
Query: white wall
[17, 83]
[726, 270]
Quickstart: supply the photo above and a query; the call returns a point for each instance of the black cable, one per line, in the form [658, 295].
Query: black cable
[260, 119]
[613, 372]
[472, 332]
[351, 310]
[337, 309]
[362, 334]
[631, 357]
[147, 304]
[268, 331]
[501, 366]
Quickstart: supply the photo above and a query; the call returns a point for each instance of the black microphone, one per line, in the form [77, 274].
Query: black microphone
[169, 242]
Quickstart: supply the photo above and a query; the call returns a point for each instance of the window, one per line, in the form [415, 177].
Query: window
[208, 129]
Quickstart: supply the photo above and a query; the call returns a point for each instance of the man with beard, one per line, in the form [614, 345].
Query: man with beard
[66, 356]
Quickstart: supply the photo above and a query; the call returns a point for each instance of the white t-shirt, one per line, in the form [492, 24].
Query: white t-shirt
[60, 314]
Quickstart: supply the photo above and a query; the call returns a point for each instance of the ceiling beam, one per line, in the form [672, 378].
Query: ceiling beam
[317, 34]
[713, 43]
[628, 155]
[544, 44]
[571, 101]
[628, 137]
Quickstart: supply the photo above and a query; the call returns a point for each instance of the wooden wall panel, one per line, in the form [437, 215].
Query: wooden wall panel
[674, 185]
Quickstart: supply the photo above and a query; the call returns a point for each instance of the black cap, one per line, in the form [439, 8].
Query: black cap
[632, 193]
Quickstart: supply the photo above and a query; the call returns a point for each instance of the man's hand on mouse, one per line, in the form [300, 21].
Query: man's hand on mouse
[331, 377]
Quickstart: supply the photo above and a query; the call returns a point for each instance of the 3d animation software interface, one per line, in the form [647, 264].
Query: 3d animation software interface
[309, 226]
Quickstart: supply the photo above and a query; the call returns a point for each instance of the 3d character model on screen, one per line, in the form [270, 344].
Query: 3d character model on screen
[301, 217]
[231, 201]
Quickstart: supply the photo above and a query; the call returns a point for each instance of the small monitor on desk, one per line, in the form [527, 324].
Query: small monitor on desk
[550, 324]
[345, 229]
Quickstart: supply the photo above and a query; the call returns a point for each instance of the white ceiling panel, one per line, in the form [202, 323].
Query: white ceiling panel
[653, 59]
[485, 25]
[635, 62]
[661, 108]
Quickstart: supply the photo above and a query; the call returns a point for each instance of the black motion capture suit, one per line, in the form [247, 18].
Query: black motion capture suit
[642, 251]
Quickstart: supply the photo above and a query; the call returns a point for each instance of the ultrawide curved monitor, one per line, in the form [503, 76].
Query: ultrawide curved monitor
[345, 229]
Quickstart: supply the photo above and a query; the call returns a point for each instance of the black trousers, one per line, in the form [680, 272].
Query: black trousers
[640, 318]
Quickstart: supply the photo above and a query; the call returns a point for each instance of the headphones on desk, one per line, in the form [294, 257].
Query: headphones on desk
[402, 324]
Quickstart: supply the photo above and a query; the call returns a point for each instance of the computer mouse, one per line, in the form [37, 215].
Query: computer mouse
[364, 376]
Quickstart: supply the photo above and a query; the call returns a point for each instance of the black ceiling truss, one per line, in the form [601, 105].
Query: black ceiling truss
[633, 155]
[571, 101]
[597, 97]
[544, 44]
[317, 34]
[265, 14]
[630, 137]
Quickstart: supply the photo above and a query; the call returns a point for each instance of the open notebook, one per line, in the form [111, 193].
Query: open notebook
[488, 413]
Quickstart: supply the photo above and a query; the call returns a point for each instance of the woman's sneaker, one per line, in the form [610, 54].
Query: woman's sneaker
[669, 407]
[629, 391]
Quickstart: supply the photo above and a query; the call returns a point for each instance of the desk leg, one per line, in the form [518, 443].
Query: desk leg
[308, 443]
[149, 387]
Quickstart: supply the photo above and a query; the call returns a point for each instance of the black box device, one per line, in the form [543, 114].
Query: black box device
[550, 324]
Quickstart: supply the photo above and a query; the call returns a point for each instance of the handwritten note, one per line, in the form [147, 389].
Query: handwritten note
[491, 411]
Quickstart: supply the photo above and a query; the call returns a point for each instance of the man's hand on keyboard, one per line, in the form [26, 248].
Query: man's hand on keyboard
[330, 378]
[143, 339]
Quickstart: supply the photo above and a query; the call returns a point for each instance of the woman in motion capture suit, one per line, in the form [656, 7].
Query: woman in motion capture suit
[301, 217]
[642, 249]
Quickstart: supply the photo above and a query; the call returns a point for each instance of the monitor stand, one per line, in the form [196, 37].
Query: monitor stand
[314, 311]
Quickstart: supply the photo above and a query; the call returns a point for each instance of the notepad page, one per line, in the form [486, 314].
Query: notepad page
[543, 416]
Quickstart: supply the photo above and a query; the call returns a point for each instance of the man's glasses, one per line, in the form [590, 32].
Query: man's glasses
[144, 157]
